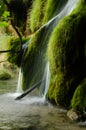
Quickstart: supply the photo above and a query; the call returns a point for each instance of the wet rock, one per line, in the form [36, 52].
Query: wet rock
[75, 115]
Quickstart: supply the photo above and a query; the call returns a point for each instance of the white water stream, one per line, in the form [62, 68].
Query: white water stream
[34, 98]
[71, 4]
[19, 86]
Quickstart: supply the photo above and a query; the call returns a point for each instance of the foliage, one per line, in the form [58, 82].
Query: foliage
[4, 15]
[34, 60]
[15, 56]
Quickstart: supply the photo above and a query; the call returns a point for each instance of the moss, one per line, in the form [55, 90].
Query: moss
[36, 14]
[14, 44]
[79, 98]
[42, 11]
[52, 8]
[67, 56]
[34, 60]
[5, 75]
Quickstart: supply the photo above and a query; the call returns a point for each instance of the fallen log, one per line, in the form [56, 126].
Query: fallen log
[29, 90]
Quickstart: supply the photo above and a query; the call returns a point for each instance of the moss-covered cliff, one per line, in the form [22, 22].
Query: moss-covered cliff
[42, 11]
[67, 56]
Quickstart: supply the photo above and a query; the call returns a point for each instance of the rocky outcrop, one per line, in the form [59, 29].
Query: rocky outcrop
[67, 56]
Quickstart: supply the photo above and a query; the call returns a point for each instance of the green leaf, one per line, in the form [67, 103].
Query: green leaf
[6, 14]
[3, 24]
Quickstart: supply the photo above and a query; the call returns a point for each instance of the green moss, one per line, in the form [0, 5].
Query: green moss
[14, 44]
[42, 11]
[79, 98]
[5, 75]
[67, 56]
[36, 14]
[34, 60]
[52, 8]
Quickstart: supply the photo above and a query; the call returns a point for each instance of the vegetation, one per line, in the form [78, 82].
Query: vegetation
[66, 49]
[15, 56]
[79, 99]
[42, 11]
[34, 60]
[67, 56]
[52, 8]
[4, 74]
[36, 14]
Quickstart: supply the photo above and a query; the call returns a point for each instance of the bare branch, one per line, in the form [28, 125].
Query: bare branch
[6, 51]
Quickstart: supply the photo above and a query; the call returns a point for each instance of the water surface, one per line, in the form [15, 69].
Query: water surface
[31, 113]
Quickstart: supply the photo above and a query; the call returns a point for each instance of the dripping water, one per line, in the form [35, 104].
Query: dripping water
[19, 85]
[46, 79]
[43, 88]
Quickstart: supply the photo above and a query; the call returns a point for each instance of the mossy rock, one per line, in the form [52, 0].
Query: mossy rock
[42, 11]
[66, 53]
[79, 98]
[4, 75]
[15, 56]
[36, 14]
[52, 8]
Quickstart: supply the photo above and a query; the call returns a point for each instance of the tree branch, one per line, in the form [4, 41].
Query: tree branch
[15, 28]
[5, 51]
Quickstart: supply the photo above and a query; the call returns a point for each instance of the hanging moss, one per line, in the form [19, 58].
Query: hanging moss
[52, 8]
[34, 60]
[67, 56]
[79, 99]
[36, 14]
[42, 11]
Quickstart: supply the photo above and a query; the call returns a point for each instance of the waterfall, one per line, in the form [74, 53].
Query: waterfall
[71, 4]
[36, 73]
[46, 78]
[19, 85]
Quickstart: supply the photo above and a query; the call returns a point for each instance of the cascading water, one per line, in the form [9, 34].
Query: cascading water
[35, 71]
[19, 86]
[16, 115]
[46, 79]
[71, 4]
[43, 87]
